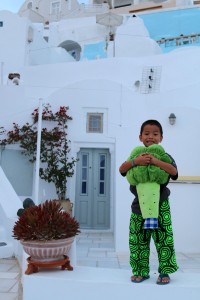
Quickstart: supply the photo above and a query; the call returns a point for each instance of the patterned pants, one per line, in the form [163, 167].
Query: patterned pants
[139, 243]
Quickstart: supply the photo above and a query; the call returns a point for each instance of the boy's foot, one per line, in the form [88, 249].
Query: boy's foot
[163, 279]
[138, 278]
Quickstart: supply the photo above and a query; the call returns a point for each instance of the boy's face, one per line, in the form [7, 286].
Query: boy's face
[150, 135]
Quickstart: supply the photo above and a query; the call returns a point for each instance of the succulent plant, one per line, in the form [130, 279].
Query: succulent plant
[28, 202]
[44, 222]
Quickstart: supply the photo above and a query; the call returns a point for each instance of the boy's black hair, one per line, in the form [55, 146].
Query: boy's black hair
[151, 122]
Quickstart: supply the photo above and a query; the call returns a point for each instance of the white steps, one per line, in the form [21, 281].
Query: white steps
[6, 247]
[88, 283]
[7, 250]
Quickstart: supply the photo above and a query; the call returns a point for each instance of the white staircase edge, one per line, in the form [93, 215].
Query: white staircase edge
[88, 283]
[7, 250]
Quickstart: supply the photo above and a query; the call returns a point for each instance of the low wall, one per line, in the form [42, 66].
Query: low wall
[185, 208]
[95, 283]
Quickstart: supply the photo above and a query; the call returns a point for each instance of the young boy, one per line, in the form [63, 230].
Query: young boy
[139, 238]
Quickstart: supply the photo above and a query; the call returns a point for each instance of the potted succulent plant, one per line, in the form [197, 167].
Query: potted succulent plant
[46, 233]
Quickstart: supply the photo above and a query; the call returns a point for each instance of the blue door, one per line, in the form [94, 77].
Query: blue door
[92, 205]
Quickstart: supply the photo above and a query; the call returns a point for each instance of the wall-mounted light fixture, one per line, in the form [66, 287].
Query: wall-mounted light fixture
[137, 83]
[172, 119]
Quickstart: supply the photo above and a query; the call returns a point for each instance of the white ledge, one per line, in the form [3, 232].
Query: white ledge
[88, 283]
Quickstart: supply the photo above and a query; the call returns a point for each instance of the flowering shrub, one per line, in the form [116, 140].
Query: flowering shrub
[54, 155]
[2, 132]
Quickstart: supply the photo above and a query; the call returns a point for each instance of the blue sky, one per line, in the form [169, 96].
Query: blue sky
[14, 5]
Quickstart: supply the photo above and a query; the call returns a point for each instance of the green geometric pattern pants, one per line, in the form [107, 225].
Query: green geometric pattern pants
[139, 243]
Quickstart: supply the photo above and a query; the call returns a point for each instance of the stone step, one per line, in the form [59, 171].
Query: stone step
[2, 233]
[6, 249]
[88, 283]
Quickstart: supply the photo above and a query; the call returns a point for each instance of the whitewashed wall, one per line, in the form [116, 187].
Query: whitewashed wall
[132, 39]
[124, 111]
[13, 49]
[108, 86]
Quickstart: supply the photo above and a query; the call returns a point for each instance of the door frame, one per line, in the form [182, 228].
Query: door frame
[111, 148]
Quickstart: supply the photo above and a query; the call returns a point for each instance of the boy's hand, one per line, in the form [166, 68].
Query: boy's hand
[167, 167]
[144, 159]
[154, 161]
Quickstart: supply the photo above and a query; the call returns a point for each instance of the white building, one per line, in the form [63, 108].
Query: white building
[133, 83]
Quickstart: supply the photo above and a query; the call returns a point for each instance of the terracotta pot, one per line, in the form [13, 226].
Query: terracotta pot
[67, 205]
[47, 250]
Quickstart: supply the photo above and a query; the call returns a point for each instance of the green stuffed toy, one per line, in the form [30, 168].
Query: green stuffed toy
[148, 179]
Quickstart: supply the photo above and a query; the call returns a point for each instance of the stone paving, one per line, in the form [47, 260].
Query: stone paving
[97, 250]
[9, 279]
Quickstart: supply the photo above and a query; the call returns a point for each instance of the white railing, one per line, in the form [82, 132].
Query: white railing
[97, 8]
[83, 9]
[180, 40]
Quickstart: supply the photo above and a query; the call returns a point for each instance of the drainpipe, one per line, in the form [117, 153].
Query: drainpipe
[69, 5]
[37, 167]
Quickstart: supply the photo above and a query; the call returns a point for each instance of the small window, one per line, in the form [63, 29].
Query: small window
[1, 23]
[95, 122]
[30, 5]
[55, 8]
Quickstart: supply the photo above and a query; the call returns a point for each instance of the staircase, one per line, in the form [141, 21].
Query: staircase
[6, 246]
[9, 205]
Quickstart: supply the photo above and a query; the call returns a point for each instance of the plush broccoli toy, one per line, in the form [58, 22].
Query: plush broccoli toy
[147, 179]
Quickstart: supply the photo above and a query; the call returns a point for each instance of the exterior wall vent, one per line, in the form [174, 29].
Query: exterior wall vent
[150, 82]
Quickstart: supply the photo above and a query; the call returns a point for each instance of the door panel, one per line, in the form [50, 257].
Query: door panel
[92, 208]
